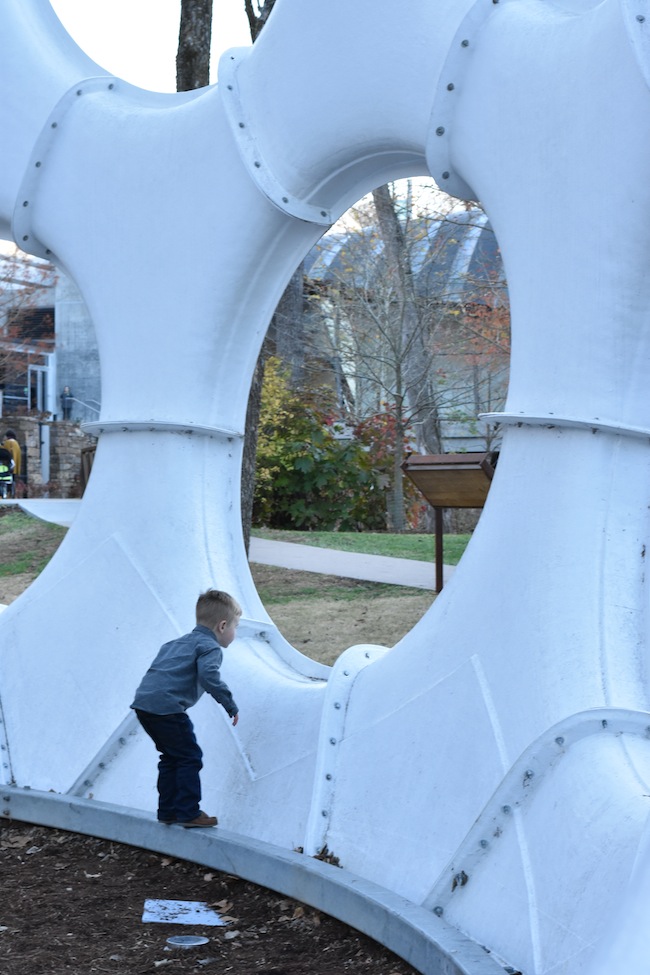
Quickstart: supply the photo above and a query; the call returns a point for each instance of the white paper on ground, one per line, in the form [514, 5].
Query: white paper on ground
[180, 912]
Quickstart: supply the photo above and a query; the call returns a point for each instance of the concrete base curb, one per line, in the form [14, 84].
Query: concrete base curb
[425, 941]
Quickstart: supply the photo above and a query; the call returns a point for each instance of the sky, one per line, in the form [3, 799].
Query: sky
[137, 39]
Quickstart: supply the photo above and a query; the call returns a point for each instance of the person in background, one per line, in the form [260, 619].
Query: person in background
[11, 444]
[6, 472]
[66, 402]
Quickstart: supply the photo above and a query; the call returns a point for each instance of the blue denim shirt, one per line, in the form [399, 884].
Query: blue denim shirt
[182, 671]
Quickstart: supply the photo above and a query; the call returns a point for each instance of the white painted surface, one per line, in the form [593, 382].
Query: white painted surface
[546, 616]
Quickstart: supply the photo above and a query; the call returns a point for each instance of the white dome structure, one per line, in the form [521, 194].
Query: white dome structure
[484, 783]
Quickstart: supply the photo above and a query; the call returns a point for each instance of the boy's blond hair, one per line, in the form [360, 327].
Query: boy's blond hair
[213, 606]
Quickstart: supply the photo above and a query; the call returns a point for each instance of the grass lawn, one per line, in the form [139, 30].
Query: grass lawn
[318, 614]
[277, 587]
[27, 544]
[408, 546]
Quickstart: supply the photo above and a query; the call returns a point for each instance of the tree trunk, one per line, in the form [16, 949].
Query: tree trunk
[250, 445]
[256, 21]
[396, 513]
[286, 331]
[193, 56]
[421, 397]
[193, 71]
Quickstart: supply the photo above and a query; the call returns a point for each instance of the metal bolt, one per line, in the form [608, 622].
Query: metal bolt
[559, 740]
[438, 911]
[111, 86]
[451, 86]
[604, 722]
[484, 844]
[506, 809]
[79, 91]
[528, 774]
[257, 164]
[640, 18]
[332, 741]
[87, 783]
[5, 812]
[346, 673]
[229, 87]
[329, 776]
[241, 125]
[54, 125]
[323, 812]
[445, 175]
[25, 203]
[367, 656]
[440, 130]
[285, 199]
[25, 236]
[337, 705]
[6, 798]
[122, 741]
[37, 165]
[323, 213]
[464, 43]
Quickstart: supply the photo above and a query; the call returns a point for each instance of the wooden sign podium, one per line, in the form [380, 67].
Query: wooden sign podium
[450, 481]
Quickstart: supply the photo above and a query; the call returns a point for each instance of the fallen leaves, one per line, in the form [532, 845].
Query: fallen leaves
[14, 841]
[56, 916]
[222, 906]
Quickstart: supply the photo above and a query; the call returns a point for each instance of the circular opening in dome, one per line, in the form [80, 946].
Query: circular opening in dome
[391, 341]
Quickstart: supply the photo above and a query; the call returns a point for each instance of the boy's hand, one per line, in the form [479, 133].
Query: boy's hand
[235, 719]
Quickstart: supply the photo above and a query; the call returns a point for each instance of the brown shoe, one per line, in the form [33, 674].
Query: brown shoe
[201, 820]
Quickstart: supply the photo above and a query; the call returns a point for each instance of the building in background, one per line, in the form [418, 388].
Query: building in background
[423, 321]
[47, 342]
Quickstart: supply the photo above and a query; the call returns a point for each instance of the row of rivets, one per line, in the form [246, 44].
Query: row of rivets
[440, 131]
[100, 766]
[437, 151]
[332, 741]
[304, 211]
[25, 237]
[630, 722]
[5, 764]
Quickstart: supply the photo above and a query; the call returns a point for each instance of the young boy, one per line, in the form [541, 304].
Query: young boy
[182, 671]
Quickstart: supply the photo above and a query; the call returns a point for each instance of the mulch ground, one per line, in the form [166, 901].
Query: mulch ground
[74, 904]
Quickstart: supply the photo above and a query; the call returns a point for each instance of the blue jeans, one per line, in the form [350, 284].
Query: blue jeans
[181, 760]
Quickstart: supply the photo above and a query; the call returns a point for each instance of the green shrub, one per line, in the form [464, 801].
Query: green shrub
[306, 476]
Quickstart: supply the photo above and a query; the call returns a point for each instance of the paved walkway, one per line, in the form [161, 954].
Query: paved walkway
[351, 565]
[288, 555]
